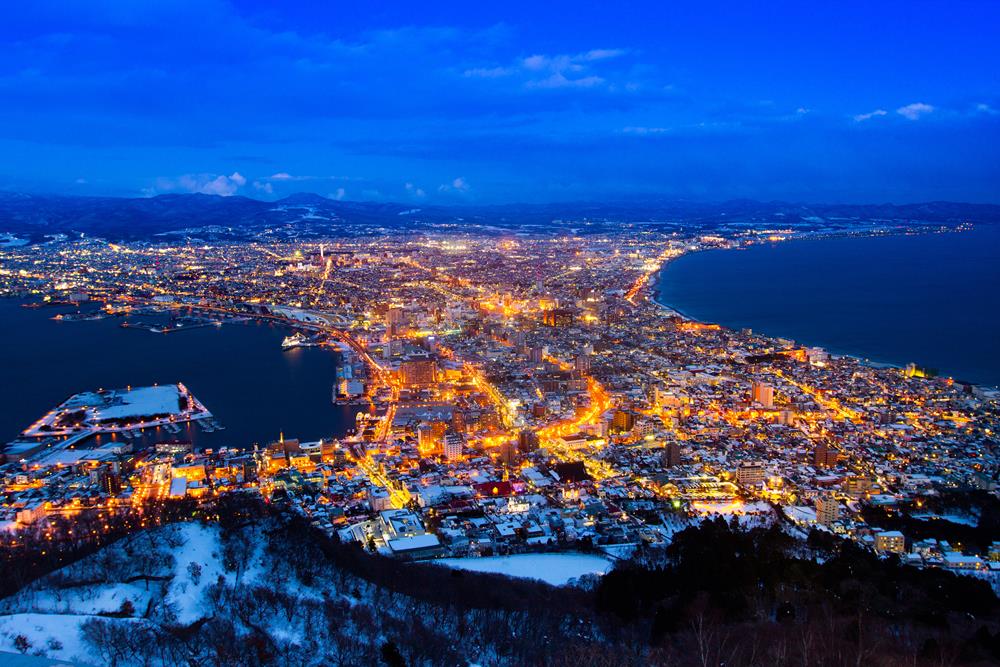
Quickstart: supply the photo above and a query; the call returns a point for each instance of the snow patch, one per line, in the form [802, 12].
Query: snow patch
[554, 569]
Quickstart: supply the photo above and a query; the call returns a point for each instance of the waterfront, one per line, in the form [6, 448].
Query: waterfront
[929, 299]
[238, 371]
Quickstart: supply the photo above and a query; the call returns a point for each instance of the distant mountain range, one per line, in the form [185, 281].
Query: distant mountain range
[124, 218]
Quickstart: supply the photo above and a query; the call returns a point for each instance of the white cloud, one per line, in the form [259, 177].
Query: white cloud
[206, 184]
[559, 80]
[871, 114]
[540, 71]
[457, 185]
[987, 109]
[602, 54]
[488, 72]
[281, 176]
[538, 62]
[915, 110]
[340, 194]
[642, 130]
[264, 187]
[415, 191]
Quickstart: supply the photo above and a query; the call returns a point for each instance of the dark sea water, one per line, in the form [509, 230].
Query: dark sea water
[931, 299]
[238, 371]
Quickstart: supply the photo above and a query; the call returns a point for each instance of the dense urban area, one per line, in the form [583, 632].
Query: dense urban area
[516, 392]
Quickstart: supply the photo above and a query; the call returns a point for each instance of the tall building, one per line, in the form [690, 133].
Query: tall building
[623, 421]
[750, 474]
[418, 371]
[762, 394]
[827, 509]
[824, 456]
[671, 455]
[395, 319]
[558, 317]
[458, 420]
[508, 453]
[425, 437]
[390, 348]
[453, 445]
[527, 441]
[582, 363]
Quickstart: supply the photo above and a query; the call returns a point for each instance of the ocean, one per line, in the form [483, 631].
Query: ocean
[238, 371]
[930, 299]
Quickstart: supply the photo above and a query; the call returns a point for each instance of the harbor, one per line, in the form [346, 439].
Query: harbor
[248, 403]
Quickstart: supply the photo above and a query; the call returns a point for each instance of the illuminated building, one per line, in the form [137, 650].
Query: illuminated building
[508, 453]
[418, 372]
[671, 455]
[890, 542]
[527, 441]
[425, 437]
[558, 317]
[395, 320]
[762, 394]
[858, 485]
[623, 421]
[750, 474]
[827, 509]
[453, 445]
[824, 456]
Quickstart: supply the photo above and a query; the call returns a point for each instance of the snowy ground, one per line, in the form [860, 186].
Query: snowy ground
[961, 519]
[142, 402]
[801, 514]
[49, 616]
[735, 507]
[57, 635]
[555, 569]
[201, 546]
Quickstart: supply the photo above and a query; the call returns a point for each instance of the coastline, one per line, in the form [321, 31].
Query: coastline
[653, 294]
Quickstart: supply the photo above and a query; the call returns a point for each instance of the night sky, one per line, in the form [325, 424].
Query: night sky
[504, 102]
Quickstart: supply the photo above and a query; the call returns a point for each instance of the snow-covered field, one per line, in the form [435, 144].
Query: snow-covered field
[142, 402]
[801, 514]
[555, 569]
[55, 635]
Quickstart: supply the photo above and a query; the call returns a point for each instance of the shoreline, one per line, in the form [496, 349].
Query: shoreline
[655, 293]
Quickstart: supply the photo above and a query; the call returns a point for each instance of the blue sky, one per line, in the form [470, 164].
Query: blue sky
[504, 102]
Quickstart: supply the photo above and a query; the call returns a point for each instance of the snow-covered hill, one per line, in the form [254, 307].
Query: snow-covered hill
[155, 577]
[193, 593]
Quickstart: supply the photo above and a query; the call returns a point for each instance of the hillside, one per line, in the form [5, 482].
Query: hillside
[269, 591]
[194, 593]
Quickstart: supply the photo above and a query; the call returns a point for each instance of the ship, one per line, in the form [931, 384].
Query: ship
[298, 339]
[79, 317]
